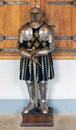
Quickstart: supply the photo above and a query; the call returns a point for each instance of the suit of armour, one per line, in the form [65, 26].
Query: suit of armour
[36, 65]
[45, 71]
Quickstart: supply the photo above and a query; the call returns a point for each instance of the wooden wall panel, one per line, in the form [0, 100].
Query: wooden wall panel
[11, 24]
[73, 25]
[24, 13]
[15, 17]
[1, 24]
[32, 2]
[60, 16]
[43, 5]
[12, 17]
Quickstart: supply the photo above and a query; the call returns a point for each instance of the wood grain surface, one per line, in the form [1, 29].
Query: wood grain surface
[12, 17]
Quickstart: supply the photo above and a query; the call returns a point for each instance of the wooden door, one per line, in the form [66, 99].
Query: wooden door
[64, 19]
[12, 17]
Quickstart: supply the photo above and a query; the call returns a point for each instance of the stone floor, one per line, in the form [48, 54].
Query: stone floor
[61, 122]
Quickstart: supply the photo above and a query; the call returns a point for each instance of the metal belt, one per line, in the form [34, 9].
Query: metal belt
[73, 2]
[2, 37]
[13, 2]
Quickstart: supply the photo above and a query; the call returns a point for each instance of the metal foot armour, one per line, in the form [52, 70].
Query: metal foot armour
[29, 107]
[44, 107]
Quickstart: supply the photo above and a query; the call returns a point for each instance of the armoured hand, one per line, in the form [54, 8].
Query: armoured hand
[30, 55]
[41, 52]
[34, 59]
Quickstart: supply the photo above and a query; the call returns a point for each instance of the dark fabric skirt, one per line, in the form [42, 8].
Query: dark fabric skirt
[43, 72]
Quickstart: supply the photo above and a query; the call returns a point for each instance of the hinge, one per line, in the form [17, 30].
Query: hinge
[65, 38]
[73, 2]
[56, 50]
[1, 3]
[13, 2]
[65, 50]
[2, 37]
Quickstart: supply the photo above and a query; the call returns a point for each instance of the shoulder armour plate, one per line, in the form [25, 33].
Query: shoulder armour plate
[26, 33]
[44, 32]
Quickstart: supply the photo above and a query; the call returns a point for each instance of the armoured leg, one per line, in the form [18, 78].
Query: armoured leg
[43, 89]
[31, 104]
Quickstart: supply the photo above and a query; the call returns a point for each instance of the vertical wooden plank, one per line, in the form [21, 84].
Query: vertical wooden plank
[2, 24]
[11, 24]
[11, 19]
[1, 19]
[73, 25]
[24, 13]
[15, 17]
[60, 16]
[43, 5]
[33, 2]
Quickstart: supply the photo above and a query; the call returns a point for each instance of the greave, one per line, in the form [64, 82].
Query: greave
[31, 104]
[43, 90]
[30, 88]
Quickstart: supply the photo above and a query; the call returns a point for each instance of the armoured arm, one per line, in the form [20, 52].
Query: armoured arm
[43, 52]
[51, 41]
[23, 52]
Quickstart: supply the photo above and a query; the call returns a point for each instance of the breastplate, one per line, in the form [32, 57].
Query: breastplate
[36, 37]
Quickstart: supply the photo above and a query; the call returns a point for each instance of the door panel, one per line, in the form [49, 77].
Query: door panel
[60, 16]
[12, 17]
[1, 24]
